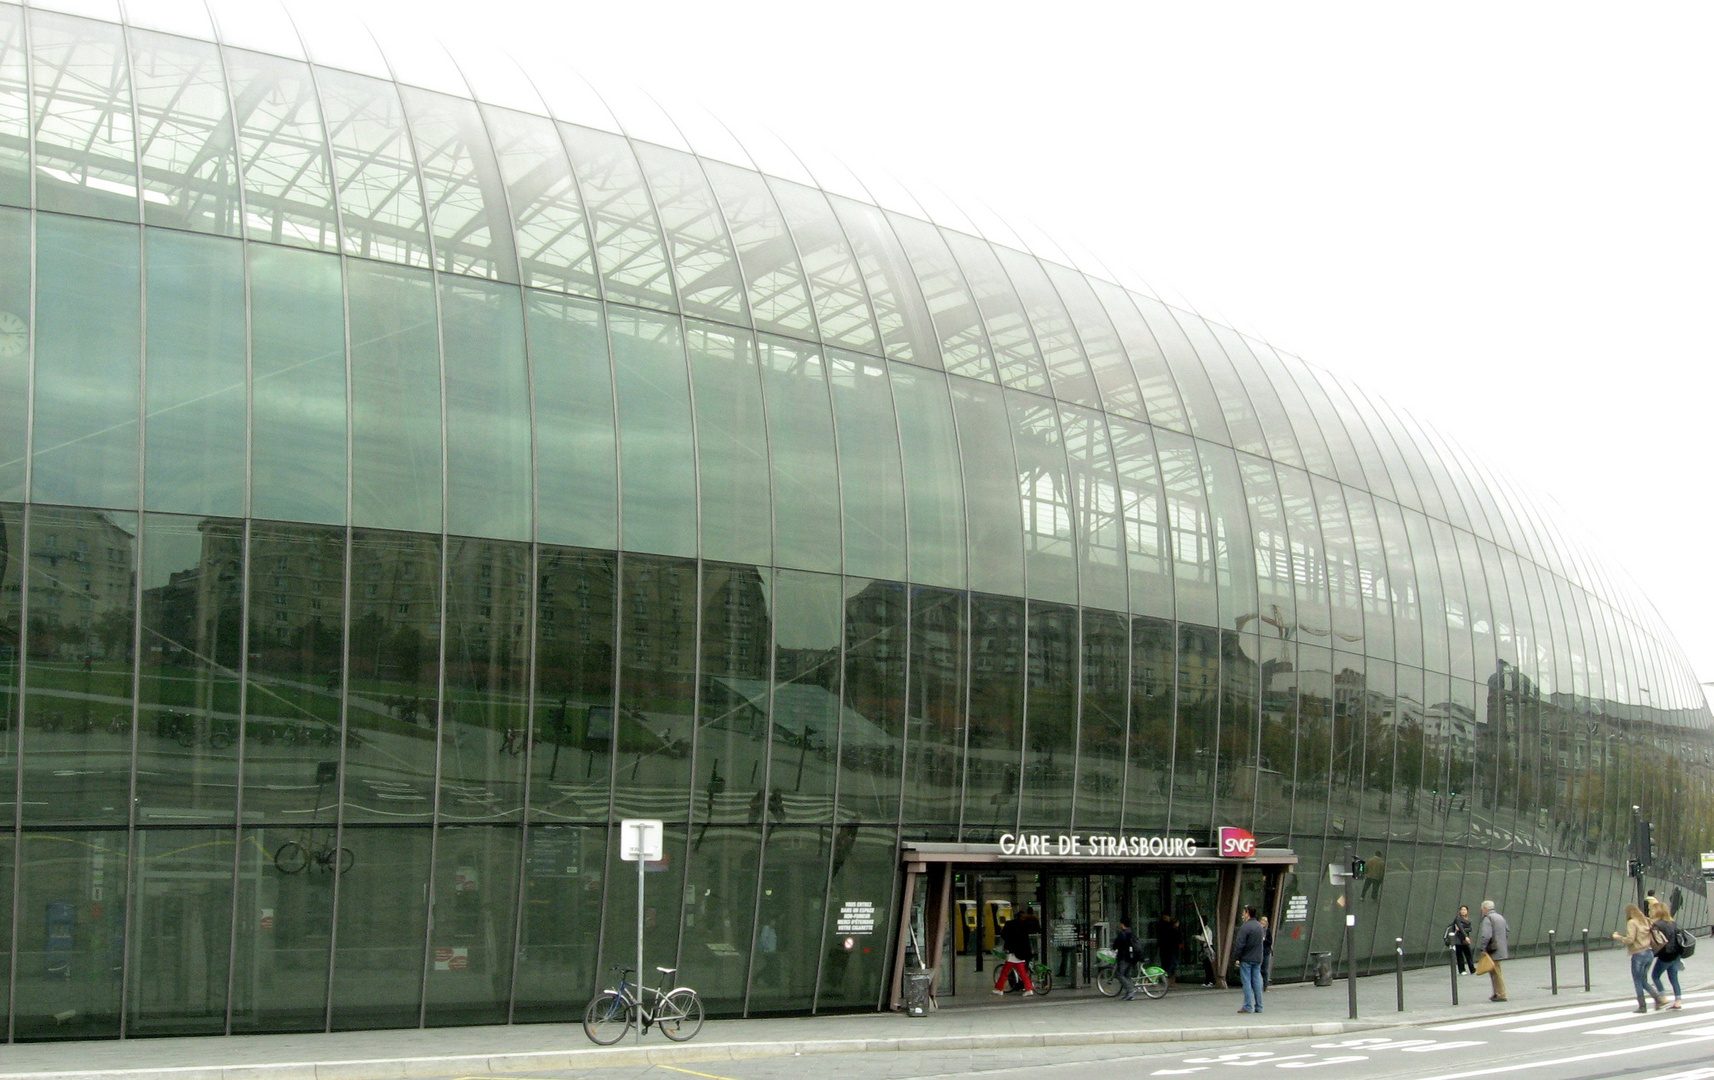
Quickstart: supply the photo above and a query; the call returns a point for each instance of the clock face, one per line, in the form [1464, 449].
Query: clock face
[14, 335]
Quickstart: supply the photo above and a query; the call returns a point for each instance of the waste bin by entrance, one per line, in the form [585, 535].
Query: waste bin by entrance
[918, 992]
[1323, 968]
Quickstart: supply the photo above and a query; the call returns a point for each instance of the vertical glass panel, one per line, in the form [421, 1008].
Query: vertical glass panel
[576, 606]
[872, 727]
[957, 322]
[732, 709]
[88, 331]
[835, 284]
[549, 230]
[184, 134]
[393, 664]
[1148, 364]
[1458, 642]
[487, 410]
[461, 184]
[1045, 492]
[86, 156]
[1311, 617]
[1477, 590]
[13, 565]
[1244, 427]
[288, 184]
[1108, 364]
[1016, 356]
[1276, 426]
[629, 250]
[279, 979]
[657, 463]
[731, 444]
[934, 493]
[1102, 727]
[577, 496]
[1191, 526]
[719, 914]
[991, 487]
[803, 701]
[704, 265]
[992, 758]
[193, 399]
[380, 202]
[1237, 783]
[475, 895]
[1201, 406]
[1409, 473]
[805, 466]
[653, 732]
[1374, 584]
[484, 723]
[907, 331]
[14, 110]
[1067, 367]
[934, 773]
[383, 914]
[1050, 735]
[871, 475]
[1347, 468]
[1374, 464]
[789, 918]
[1146, 526]
[1431, 599]
[187, 684]
[396, 401]
[297, 409]
[1344, 576]
[1148, 777]
[774, 279]
[1402, 585]
[559, 936]
[1301, 426]
[863, 868]
[1195, 744]
[14, 349]
[180, 932]
[77, 709]
[1233, 552]
[71, 945]
[292, 703]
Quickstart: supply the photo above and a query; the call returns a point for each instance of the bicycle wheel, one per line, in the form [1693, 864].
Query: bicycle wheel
[346, 859]
[607, 1018]
[1152, 982]
[680, 1015]
[1042, 976]
[291, 858]
[1107, 980]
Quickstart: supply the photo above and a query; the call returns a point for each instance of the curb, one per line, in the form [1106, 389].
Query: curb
[454, 1065]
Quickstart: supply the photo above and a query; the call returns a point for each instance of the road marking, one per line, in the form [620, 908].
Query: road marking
[1571, 1060]
[1177, 1072]
[1649, 1025]
[692, 1072]
[1598, 1019]
[1500, 1021]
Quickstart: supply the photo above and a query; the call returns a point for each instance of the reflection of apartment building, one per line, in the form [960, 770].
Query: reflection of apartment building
[82, 569]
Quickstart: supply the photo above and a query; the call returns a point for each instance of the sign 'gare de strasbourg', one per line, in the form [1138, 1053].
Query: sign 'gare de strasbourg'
[1230, 843]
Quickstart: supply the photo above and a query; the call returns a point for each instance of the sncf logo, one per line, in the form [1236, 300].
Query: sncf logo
[1236, 843]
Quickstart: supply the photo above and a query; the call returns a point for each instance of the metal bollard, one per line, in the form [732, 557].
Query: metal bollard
[1553, 962]
[1585, 959]
[1452, 955]
[1399, 951]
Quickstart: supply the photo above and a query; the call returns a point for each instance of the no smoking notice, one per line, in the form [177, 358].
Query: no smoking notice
[857, 917]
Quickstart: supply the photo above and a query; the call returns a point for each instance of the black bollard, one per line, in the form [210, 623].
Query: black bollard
[1553, 962]
[1585, 959]
[1452, 955]
[1399, 951]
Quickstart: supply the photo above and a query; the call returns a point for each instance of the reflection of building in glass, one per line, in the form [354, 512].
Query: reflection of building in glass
[479, 478]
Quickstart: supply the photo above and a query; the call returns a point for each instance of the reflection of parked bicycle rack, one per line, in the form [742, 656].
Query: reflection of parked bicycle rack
[292, 857]
[188, 731]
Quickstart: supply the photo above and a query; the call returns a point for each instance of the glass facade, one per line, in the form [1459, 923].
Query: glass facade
[398, 489]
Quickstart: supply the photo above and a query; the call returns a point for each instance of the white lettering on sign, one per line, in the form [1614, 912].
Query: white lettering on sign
[856, 917]
[1099, 846]
[1297, 909]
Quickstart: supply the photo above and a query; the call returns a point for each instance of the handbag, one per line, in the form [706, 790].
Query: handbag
[1485, 964]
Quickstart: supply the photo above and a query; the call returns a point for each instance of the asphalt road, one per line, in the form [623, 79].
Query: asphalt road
[1578, 1042]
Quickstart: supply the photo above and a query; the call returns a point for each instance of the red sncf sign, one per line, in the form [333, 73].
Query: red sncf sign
[1236, 843]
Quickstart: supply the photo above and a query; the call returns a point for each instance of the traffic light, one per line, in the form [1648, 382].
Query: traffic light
[1357, 865]
[1633, 868]
[1645, 844]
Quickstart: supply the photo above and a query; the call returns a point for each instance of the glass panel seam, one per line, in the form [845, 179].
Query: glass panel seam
[25, 514]
[243, 711]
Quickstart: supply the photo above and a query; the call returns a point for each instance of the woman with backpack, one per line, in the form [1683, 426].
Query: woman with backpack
[1638, 937]
[1668, 956]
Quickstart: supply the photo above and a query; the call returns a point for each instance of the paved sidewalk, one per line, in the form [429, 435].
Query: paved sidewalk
[1191, 1015]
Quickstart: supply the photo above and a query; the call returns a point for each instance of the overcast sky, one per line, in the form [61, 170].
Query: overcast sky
[1495, 214]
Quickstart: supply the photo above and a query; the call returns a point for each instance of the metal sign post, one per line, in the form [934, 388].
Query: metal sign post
[640, 841]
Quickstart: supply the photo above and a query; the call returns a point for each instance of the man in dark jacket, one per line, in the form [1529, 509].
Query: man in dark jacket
[1248, 948]
[1127, 951]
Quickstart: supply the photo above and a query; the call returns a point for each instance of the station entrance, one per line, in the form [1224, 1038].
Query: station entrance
[958, 899]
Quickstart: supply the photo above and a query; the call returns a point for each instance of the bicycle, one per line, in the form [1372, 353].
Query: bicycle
[677, 1012]
[1041, 975]
[1150, 978]
[292, 857]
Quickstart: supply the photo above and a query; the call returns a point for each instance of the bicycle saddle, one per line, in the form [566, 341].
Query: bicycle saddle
[666, 971]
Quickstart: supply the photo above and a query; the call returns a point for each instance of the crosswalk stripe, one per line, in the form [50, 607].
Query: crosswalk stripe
[1648, 1025]
[1633, 1025]
[1544, 1014]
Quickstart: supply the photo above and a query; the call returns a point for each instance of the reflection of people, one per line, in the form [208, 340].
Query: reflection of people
[1491, 939]
[1015, 937]
[1171, 939]
[1639, 944]
[1667, 960]
[1374, 877]
[1248, 948]
[1126, 948]
[1267, 952]
[1458, 936]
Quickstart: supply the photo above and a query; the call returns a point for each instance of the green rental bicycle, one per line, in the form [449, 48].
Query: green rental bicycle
[1150, 978]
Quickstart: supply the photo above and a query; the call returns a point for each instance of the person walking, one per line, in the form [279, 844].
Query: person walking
[1663, 933]
[1015, 937]
[1374, 877]
[1127, 950]
[1491, 938]
[1458, 936]
[1638, 937]
[1171, 941]
[1248, 948]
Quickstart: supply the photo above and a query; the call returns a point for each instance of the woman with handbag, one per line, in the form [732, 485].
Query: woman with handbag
[1638, 937]
[1458, 936]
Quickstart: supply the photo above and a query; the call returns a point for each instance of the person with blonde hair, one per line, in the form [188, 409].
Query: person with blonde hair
[1667, 960]
[1638, 937]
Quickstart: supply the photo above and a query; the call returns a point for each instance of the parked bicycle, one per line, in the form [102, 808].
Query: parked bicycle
[1041, 975]
[1150, 978]
[677, 1012]
[293, 857]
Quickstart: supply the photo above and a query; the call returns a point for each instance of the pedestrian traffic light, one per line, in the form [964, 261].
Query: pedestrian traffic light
[1357, 865]
[1633, 868]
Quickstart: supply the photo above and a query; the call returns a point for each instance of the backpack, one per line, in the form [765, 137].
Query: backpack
[1665, 936]
[1686, 942]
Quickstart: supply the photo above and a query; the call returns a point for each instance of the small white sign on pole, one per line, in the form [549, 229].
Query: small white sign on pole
[1337, 873]
[641, 838]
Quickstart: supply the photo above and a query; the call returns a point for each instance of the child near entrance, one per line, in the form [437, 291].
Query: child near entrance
[1015, 936]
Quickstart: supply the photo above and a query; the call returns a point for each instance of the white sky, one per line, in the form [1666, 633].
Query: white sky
[1495, 214]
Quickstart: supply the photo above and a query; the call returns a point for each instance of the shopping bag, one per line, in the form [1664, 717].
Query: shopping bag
[1485, 965]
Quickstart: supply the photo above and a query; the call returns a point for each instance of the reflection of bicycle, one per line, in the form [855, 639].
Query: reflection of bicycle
[612, 1012]
[292, 857]
[515, 742]
[1150, 978]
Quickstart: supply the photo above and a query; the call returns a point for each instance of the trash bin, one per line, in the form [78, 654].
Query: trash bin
[919, 992]
[1323, 968]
